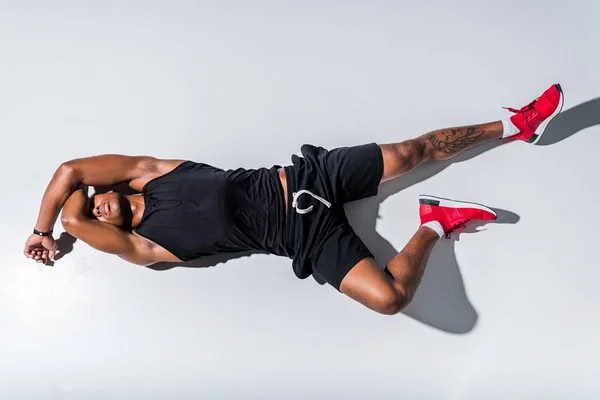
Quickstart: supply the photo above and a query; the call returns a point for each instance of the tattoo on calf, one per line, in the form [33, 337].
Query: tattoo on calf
[454, 140]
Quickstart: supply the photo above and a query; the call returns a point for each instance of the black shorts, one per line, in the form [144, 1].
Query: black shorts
[317, 230]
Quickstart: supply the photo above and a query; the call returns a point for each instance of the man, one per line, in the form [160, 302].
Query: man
[187, 209]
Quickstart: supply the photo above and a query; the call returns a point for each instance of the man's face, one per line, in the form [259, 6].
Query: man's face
[107, 207]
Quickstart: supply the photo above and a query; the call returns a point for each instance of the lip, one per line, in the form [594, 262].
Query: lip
[105, 209]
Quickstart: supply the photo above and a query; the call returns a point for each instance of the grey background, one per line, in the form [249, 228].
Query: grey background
[509, 312]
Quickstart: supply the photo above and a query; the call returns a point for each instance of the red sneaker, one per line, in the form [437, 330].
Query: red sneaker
[532, 119]
[452, 215]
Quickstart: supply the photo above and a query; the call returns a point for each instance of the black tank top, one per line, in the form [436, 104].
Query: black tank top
[197, 210]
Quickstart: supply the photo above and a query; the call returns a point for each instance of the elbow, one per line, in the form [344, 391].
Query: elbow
[66, 222]
[67, 172]
[69, 223]
[66, 168]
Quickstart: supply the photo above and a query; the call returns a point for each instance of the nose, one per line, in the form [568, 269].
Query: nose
[97, 211]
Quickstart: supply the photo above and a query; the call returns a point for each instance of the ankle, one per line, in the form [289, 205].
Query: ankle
[432, 229]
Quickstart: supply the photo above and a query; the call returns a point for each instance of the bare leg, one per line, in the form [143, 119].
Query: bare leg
[369, 285]
[389, 293]
[399, 158]
[407, 267]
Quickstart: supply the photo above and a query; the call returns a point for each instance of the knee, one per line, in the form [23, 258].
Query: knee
[390, 302]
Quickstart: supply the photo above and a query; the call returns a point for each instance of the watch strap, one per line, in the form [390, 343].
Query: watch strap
[36, 232]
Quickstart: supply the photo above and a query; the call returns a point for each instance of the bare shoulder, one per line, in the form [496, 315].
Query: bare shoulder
[153, 168]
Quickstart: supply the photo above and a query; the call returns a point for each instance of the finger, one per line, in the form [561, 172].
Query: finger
[51, 254]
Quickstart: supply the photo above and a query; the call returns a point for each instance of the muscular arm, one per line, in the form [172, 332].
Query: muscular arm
[104, 170]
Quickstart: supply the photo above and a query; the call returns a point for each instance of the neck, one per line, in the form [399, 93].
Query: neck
[136, 202]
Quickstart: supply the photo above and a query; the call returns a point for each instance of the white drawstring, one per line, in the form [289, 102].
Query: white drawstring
[295, 196]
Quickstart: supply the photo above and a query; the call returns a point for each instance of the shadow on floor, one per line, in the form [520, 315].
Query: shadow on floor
[440, 301]
[65, 243]
[571, 121]
[203, 262]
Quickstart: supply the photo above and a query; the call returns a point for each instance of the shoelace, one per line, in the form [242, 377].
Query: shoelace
[295, 196]
[528, 111]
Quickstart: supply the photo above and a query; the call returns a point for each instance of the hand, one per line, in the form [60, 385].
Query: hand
[40, 248]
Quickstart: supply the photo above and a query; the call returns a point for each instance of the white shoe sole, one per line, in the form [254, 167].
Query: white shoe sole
[441, 202]
[537, 135]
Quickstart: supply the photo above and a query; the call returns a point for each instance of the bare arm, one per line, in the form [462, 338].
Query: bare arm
[104, 170]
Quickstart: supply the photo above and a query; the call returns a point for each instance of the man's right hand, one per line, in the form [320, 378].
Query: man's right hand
[40, 248]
